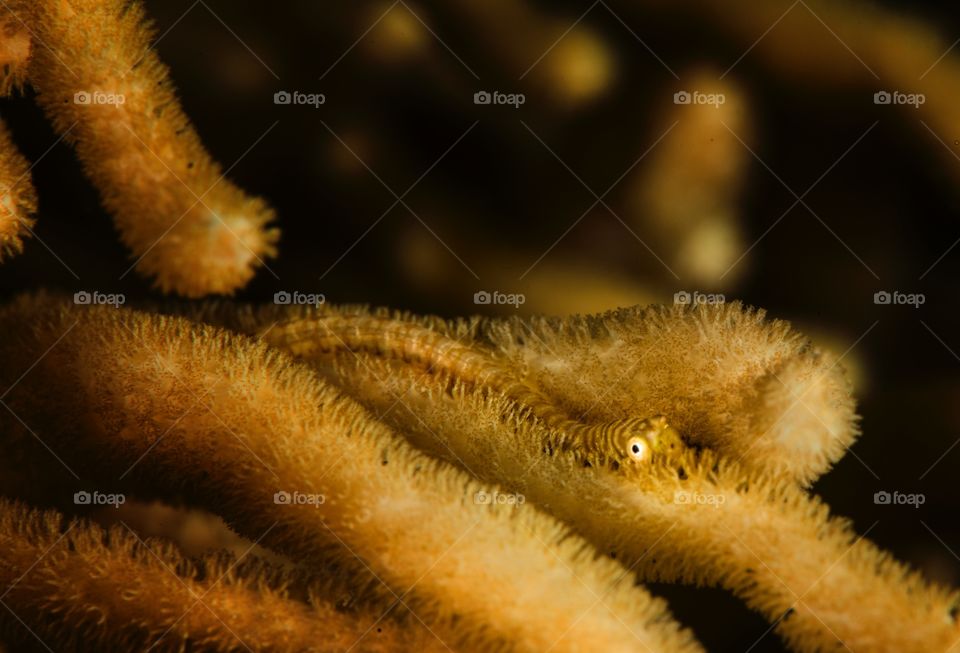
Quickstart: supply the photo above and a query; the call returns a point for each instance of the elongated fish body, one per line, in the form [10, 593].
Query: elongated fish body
[618, 442]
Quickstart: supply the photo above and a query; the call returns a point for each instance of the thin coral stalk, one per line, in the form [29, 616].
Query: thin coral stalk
[232, 424]
[102, 84]
[113, 591]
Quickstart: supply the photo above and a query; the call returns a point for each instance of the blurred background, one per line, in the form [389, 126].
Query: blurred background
[630, 150]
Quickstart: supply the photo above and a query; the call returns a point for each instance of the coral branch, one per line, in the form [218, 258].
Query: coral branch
[616, 442]
[18, 199]
[233, 424]
[14, 53]
[113, 591]
[687, 196]
[702, 520]
[101, 83]
[755, 390]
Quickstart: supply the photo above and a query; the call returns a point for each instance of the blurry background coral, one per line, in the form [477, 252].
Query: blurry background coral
[798, 156]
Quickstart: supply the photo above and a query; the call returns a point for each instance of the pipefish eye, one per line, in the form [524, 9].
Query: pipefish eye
[638, 449]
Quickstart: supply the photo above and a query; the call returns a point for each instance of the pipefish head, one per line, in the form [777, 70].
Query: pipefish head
[639, 439]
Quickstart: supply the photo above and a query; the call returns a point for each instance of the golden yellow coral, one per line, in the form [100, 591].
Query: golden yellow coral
[727, 378]
[191, 229]
[231, 424]
[700, 519]
[18, 199]
[687, 195]
[724, 376]
[112, 590]
[14, 53]
[615, 442]
[195, 532]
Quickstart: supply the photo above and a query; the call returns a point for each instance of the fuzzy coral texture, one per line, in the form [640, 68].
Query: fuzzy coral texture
[188, 227]
[188, 412]
[396, 482]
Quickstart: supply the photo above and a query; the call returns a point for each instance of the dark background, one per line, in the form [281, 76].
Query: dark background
[893, 200]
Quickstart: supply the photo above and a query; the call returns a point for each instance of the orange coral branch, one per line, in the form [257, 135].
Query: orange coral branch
[702, 520]
[755, 390]
[18, 199]
[616, 442]
[233, 424]
[778, 549]
[687, 197]
[191, 229]
[113, 591]
[14, 53]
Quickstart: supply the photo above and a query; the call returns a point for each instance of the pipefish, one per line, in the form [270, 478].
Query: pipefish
[615, 442]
